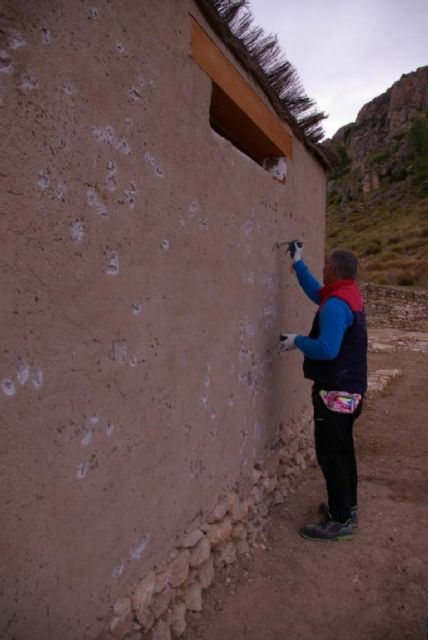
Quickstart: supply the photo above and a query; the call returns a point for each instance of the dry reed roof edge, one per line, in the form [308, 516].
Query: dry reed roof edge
[261, 56]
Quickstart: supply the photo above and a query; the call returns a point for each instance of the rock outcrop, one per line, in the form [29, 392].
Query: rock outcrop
[385, 117]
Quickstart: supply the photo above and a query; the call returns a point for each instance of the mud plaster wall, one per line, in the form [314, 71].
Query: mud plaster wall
[142, 298]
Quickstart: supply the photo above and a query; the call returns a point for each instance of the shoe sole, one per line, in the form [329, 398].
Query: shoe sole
[346, 538]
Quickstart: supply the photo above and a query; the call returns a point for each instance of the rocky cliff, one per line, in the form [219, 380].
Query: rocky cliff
[378, 191]
[385, 118]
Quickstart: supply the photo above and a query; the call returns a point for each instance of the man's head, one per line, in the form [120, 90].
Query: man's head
[340, 265]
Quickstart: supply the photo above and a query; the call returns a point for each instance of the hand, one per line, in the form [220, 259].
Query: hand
[296, 249]
[287, 341]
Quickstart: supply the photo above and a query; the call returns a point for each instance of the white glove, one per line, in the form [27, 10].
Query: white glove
[296, 252]
[287, 341]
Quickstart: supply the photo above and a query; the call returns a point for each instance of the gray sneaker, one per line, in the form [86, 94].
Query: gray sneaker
[328, 530]
[324, 511]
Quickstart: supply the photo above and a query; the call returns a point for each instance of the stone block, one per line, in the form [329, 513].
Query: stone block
[142, 597]
[179, 568]
[206, 573]
[239, 532]
[242, 548]
[219, 532]
[161, 631]
[191, 539]
[200, 553]
[178, 619]
[193, 597]
[161, 601]
[225, 555]
[162, 580]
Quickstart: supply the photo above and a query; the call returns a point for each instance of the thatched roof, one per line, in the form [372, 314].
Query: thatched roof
[261, 56]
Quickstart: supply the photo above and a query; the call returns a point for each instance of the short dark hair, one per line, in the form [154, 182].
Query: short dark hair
[345, 263]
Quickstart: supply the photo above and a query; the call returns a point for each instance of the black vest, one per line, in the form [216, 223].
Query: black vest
[348, 371]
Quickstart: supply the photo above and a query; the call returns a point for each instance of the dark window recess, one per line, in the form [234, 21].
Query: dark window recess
[229, 121]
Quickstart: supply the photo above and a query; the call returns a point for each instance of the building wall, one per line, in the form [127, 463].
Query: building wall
[142, 300]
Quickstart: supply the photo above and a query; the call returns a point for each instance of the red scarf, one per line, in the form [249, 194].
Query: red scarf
[346, 290]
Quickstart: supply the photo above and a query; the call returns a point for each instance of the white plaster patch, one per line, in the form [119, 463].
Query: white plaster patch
[193, 208]
[60, 190]
[139, 546]
[118, 570]
[93, 200]
[129, 195]
[244, 436]
[6, 63]
[143, 82]
[204, 399]
[8, 387]
[37, 378]
[269, 281]
[77, 230]
[82, 469]
[93, 13]
[165, 245]
[157, 169]
[132, 361]
[111, 263]
[94, 419]
[250, 328]
[23, 373]
[207, 379]
[120, 47]
[45, 36]
[28, 82]
[248, 227]
[250, 278]
[111, 180]
[136, 309]
[120, 351]
[69, 89]
[108, 136]
[135, 95]
[15, 39]
[43, 180]
[87, 437]
[258, 429]
[109, 429]
[277, 167]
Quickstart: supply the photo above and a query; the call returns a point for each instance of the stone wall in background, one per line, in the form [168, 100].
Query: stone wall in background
[396, 307]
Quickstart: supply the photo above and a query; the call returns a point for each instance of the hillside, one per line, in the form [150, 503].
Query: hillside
[377, 203]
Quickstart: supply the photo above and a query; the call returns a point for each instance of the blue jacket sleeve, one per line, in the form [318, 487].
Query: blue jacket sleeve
[335, 318]
[309, 284]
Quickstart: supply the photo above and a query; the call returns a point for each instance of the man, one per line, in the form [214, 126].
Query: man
[336, 361]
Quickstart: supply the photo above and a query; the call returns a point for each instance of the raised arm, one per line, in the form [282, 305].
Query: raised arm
[307, 281]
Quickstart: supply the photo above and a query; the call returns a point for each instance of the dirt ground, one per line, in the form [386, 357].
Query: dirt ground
[374, 587]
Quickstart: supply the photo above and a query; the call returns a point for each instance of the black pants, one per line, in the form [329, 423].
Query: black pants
[334, 445]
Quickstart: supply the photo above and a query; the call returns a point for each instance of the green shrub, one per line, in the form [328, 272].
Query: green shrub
[372, 247]
[406, 279]
[418, 153]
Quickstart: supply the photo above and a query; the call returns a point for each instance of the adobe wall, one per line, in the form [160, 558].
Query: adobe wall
[142, 301]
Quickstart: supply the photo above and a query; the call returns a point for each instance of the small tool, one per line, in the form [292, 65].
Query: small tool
[291, 248]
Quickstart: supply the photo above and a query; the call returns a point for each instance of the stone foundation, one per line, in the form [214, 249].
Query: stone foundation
[156, 608]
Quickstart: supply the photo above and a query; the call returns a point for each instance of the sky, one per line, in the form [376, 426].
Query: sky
[347, 52]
